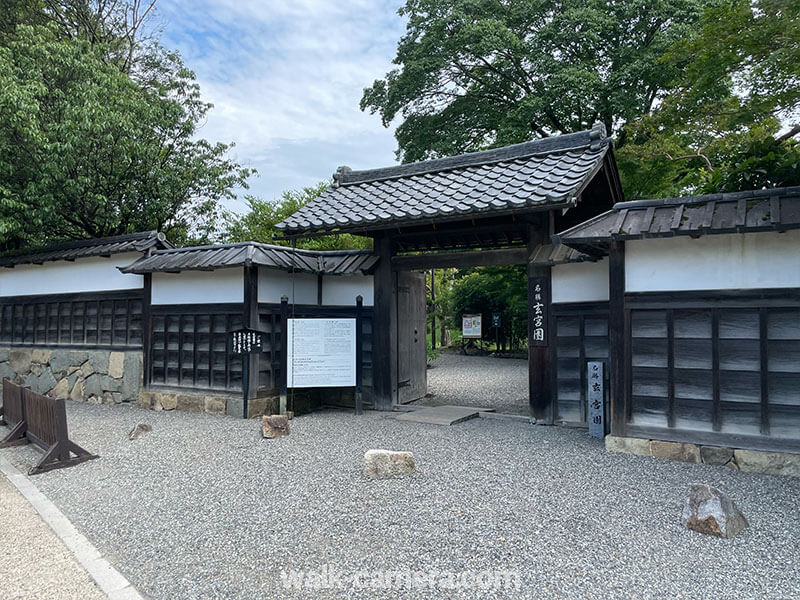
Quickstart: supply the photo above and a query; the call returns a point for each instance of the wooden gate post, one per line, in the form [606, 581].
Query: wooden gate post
[540, 334]
[384, 328]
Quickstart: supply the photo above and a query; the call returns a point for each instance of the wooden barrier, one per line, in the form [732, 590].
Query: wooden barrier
[12, 414]
[42, 421]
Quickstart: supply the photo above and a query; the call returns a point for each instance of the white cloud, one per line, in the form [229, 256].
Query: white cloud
[286, 77]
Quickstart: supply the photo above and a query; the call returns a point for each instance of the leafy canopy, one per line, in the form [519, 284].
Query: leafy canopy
[258, 223]
[98, 132]
[479, 73]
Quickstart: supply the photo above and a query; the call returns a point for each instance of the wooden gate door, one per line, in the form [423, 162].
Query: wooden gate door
[412, 377]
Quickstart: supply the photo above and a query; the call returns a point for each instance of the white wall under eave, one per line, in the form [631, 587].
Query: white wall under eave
[341, 290]
[580, 282]
[714, 262]
[272, 284]
[94, 274]
[199, 287]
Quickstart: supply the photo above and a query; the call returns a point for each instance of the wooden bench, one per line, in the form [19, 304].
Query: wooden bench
[42, 421]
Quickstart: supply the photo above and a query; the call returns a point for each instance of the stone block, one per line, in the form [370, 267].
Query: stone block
[37, 369]
[190, 403]
[145, 400]
[20, 361]
[76, 393]
[167, 401]
[41, 356]
[116, 361]
[4, 352]
[78, 357]
[214, 405]
[627, 445]
[94, 400]
[87, 369]
[98, 359]
[708, 510]
[41, 384]
[7, 371]
[675, 451]
[714, 455]
[97, 384]
[61, 389]
[131, 376]
[139, 430]
[61, 362]
[387, 464]
[274, 426]
[108, 398]
[769, 463]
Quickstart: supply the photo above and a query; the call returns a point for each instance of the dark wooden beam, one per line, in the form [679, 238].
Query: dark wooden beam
[617, 338]
[384, 346]
[540, 353]
[251, 320]
[147, 329]
[477, 258]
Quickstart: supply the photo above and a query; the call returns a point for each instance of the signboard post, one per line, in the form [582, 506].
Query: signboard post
[245, 342]
[471, 327]
[538, 312]
[595, 395]
[496, 325]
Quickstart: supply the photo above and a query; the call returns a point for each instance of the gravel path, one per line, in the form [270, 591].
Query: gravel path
[201, 507]
[34, 563]
[499, 383]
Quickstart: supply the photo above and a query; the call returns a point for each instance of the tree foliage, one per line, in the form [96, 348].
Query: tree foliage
[258, 223]
[98, 132]
[732, 121]
[478, 73]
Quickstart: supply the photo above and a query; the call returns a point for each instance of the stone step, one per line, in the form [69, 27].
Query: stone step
[443, 415]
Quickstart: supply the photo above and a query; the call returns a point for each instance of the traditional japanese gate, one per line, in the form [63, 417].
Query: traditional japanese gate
[497, 207]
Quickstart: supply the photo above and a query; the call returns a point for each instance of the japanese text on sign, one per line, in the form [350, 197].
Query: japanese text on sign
[538, 313]
[596, 398]
[246, 341]
[321, 353]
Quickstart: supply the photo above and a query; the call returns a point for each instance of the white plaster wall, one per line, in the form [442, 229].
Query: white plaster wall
[96, 274]
[342, 290]
[714, 262]
[272, 284]
[580, 282]
[199, 287]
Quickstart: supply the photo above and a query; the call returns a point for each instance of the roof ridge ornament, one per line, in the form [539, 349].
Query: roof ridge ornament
[598, 136]
[341, 173]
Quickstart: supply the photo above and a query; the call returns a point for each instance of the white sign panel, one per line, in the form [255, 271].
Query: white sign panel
[321, 353]
[471, 326]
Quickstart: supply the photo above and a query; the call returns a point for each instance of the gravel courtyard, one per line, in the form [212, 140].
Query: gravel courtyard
[499, 383]
[201, 507]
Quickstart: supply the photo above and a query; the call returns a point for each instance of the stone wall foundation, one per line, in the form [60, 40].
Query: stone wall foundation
[752, 461]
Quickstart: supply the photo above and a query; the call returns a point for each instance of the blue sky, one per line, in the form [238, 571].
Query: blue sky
[285, 78]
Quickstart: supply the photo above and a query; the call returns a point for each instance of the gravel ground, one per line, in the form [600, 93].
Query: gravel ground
[201, 507]
[499, 383]
[35, 564]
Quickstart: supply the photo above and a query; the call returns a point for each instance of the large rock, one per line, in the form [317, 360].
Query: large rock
[770, 463]
[20, 361]
[167, 401]
[131, 376]
[385, 464]
[116, 361]
[713, 455]
[97, 384]
[627, 445]
[711, 512]
[675, 451]
[99, 360]
[139, 431]
[190, 403]
[61, 389]
[61, 361]
[41, 384]
[77, 391]
[41, 356]
[274, 426]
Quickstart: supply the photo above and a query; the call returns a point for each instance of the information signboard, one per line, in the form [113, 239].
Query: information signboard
[471, 327]
[596, 397]
[321, 353]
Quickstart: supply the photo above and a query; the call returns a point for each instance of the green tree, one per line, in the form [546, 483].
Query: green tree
[732, 121]
[258, 223]
[478, 73]
[87, 152]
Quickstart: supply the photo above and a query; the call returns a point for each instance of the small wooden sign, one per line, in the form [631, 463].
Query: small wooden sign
[595, 395]
[495, 319]
[247, 341]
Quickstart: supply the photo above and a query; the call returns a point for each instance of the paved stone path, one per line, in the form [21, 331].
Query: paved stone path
[34, 563]
[443, 415]
[479, 381]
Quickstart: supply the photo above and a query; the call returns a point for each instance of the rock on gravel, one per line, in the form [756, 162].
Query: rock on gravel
[206, 509]
[386, 464]
[711, 512]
